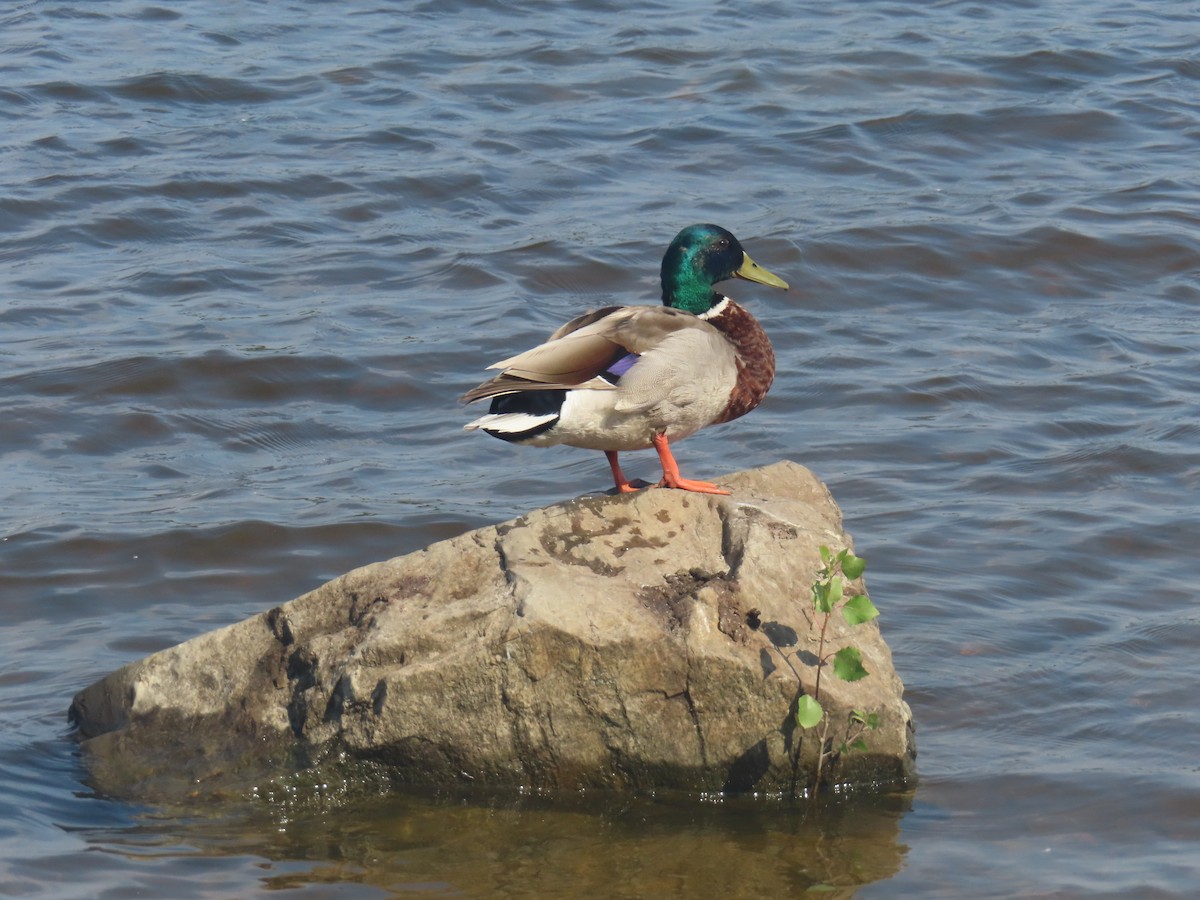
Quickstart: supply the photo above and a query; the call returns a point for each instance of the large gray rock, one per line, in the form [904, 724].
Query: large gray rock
[649, 641]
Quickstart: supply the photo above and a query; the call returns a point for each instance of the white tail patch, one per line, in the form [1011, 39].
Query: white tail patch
[509, 423]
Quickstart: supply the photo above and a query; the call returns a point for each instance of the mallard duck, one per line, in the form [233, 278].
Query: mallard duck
[635, 377]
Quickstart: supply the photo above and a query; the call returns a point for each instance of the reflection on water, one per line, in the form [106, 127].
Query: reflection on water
[252, 253]
[535, 846]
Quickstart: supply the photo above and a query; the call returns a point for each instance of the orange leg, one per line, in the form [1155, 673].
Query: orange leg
[671, 476]
[623, 484]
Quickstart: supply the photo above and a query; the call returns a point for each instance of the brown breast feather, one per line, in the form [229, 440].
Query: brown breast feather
[755, 360]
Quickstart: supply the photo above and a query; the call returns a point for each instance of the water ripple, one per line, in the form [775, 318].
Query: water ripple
[252, 256]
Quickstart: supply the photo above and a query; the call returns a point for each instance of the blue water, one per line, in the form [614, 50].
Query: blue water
[251, 253]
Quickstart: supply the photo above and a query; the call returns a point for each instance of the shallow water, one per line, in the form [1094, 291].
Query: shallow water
[251, 254]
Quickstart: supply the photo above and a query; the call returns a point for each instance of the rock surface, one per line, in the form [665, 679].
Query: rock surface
[651, 641]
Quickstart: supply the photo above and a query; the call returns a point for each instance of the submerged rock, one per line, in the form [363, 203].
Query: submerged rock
[658, 640]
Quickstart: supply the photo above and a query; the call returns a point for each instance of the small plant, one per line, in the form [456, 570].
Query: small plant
[858, 723]
[828, 595]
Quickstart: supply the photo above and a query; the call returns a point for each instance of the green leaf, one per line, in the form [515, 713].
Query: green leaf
[835, 592]
[847, 664]
[825, 557]
[857, 745]
[821, 600]
[867, 721]
[859, 609]
[852, 566]
[808, 712]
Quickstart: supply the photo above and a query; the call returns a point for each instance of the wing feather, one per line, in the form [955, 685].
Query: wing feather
[576, 354]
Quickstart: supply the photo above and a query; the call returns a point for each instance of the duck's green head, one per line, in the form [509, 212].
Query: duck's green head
[699, 257]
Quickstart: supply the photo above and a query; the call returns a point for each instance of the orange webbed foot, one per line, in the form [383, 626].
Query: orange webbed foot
[687, 484]
[671, 477]
[623, 485]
